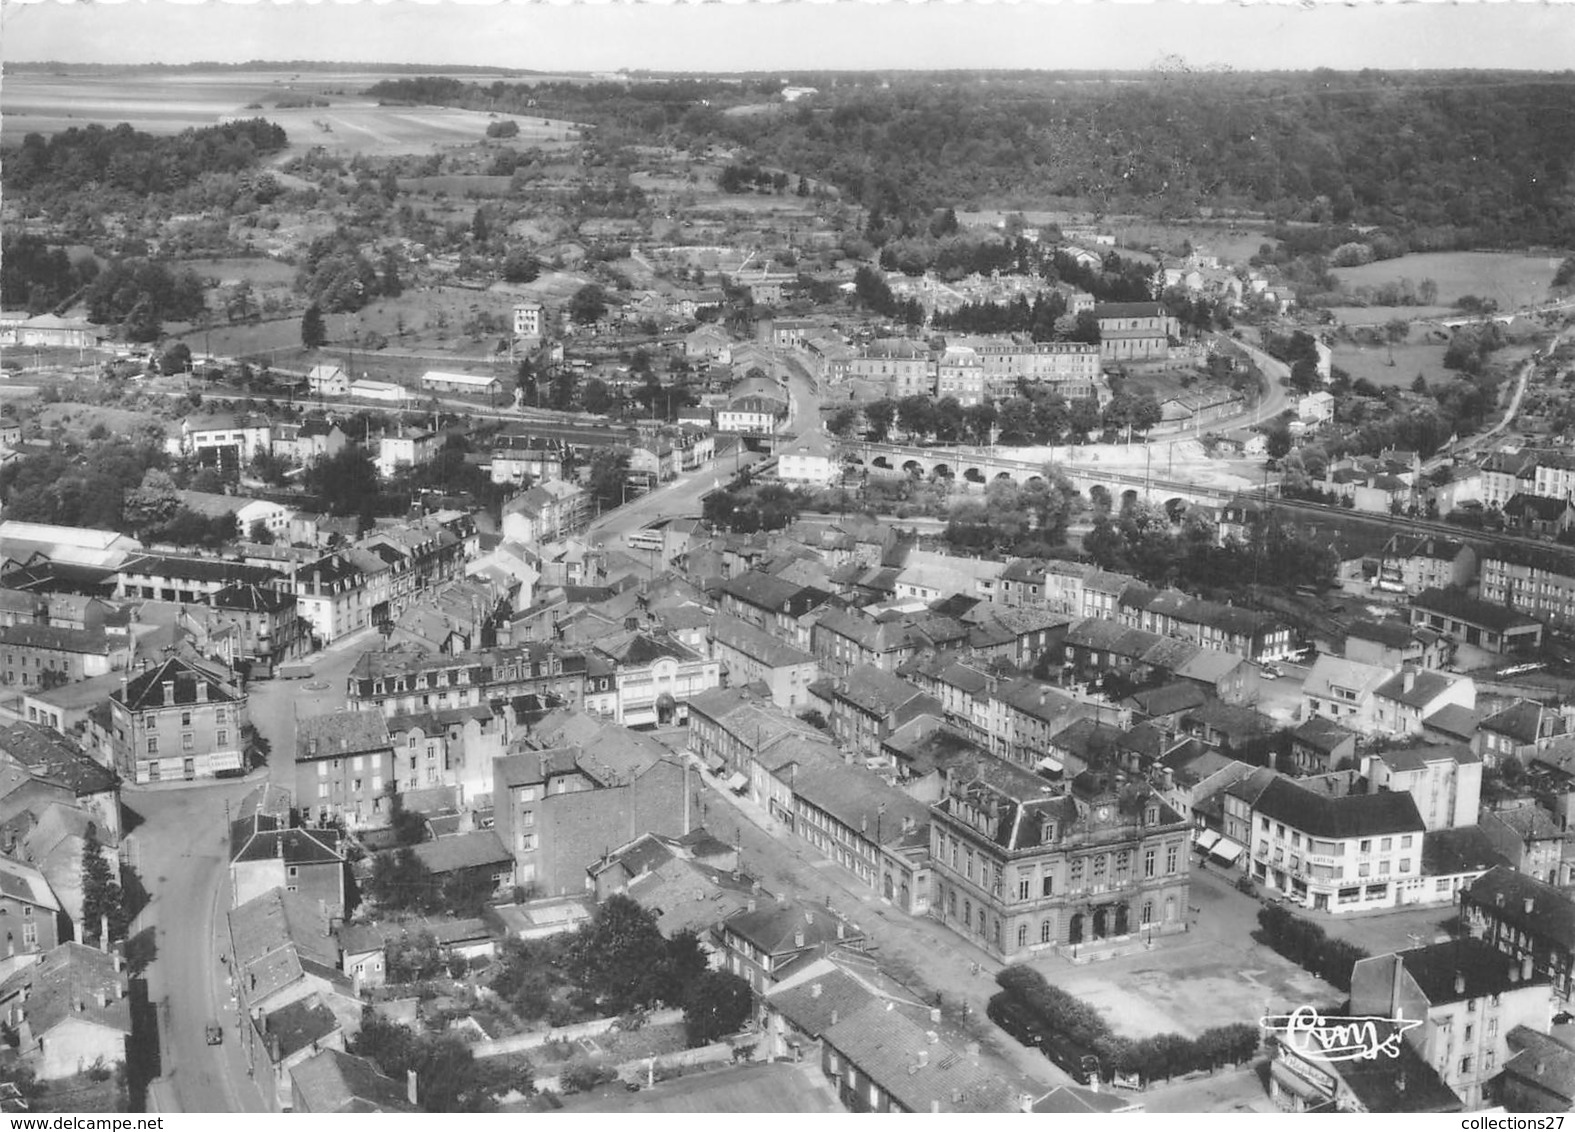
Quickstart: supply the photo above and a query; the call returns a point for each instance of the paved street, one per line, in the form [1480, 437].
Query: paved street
[179, 851]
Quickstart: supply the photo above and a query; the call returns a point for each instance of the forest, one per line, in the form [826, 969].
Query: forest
[1442, 159]
[127, 160]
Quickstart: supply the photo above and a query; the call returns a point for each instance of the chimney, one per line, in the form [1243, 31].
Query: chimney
[833, 1017]
[923, 1059]
[814, 991]
[103, 932]
[841, 929]
[1460, 983]
[809, 918]
[798, 938]
[1529, 905]
[410, 1086]
[1409, 679]
[749, 906]
[118, 953]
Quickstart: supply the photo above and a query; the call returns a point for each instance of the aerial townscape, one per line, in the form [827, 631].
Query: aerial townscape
[642, 592]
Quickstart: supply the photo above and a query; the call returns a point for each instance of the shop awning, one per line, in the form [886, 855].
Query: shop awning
[715, 763]
[1227, 851]
[738, 783]
[1206, 839]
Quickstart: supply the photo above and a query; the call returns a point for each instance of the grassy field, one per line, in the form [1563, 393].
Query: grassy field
[168, 104]
[1410, 359]
[78, 420]
[1512, 280]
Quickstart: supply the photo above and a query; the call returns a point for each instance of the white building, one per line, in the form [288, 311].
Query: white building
[383, 391]
[407, 448]
[811, 460]
[1345, 853]
[476, 384]
[328, 381]
[529, 321]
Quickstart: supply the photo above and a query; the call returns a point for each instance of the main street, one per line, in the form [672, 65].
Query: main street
[179, 849]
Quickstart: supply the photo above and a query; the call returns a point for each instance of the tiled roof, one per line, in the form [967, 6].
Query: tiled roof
[1425, 687]
[56, 639]
[335, 1081]
[66, 985]
[775, 927]
[264, 837]
[340, 734]
[47, 756]
[25, 883]
[876, 690]
[1484, 970]
[920, 1075]
[299, 1024]
[272, 935]
[1337, 818]
[1321, 734]
[1452, 603]
[1544, 1061]
[1466, 849]
[480, 849]
[147, 692]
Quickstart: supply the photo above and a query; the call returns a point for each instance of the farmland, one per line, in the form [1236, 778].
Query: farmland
[1509, 279]
[168, 104]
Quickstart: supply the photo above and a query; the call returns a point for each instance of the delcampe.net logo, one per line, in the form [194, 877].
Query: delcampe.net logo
[1333, 1038]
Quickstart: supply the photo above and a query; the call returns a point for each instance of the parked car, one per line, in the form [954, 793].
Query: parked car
[1271, 671]
[1017, 1019]
[215, 1034]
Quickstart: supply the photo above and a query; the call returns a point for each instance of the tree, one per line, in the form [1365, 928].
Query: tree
[399, 881]
[622, 961]
[916, 415]
[519, 266]
[102, 898]
[478, 226]
[716, 1004]
[588, 304]
[259, 533]
[879, 416]
[393, 286]
[177, 359]
[313, 332]
[609, 477]
[153, 502]
[843, 421]
[346, 482]
[449, 1078]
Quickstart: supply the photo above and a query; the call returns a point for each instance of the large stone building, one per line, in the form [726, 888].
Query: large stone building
[1022, 865]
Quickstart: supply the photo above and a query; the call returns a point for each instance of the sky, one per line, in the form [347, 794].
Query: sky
[802, 34]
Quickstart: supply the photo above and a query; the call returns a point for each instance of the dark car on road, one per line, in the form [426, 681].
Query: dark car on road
[1017, 1019]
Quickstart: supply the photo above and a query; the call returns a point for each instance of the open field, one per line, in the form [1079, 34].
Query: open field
[168, 104]
[78, 419]
[1513, 280]
[1410, 359]
[259, 272]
